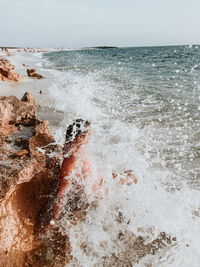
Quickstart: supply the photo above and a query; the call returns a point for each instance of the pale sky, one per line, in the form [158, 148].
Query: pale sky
[76, 23]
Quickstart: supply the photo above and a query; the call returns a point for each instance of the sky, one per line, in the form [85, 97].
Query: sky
[82, 23]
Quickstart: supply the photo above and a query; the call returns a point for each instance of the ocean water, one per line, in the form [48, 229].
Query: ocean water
[144, 108]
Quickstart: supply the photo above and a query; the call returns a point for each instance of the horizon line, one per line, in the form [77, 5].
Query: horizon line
[96, 46]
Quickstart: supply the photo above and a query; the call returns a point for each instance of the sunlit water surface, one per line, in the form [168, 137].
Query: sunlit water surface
[144, 108]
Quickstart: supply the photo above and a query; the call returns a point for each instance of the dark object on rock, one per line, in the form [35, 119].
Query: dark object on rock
[40, 91]
[7, 72]
[32, 73]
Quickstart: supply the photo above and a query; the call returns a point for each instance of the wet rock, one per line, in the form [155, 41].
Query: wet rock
[7, 71]
[29, 178]
[32, 73]
[132, 249]
[75, 203]
[21, 153]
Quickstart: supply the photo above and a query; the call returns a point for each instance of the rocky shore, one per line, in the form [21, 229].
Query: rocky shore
[29, 183]
[30, 166]
[30, 161]
[30, 173]
[7, 72]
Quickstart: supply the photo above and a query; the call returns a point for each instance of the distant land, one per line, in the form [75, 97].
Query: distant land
[100, 47]
[11, 47]
[90, 47]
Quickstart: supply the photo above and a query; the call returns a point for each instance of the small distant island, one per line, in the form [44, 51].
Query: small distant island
[100, 47]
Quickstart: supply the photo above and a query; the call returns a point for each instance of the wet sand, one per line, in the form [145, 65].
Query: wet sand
[38, 88]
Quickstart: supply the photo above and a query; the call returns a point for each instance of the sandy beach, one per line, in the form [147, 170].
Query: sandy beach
[38, 88]
[22, 61]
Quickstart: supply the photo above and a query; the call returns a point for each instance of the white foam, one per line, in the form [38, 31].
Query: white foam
[150, 206]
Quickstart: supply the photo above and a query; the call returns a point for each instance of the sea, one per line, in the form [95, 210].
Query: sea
[144, 107]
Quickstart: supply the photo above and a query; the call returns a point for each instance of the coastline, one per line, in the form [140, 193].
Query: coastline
[38, 88]
[22, 61]
[115, 145]
[30, 155]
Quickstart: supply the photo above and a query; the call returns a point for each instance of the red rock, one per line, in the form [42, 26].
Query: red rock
[5, 112]
[21, 153]
[7, 71]
[12, 110]
[32, 73]
[28, 98]
[28, 187]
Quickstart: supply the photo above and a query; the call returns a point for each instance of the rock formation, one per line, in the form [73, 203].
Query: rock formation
[29, 177]
[6, 71]
[32, 73]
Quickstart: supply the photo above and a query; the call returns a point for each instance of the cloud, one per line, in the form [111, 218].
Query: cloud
[82, 23]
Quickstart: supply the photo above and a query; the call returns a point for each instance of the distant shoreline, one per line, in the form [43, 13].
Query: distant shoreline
[46, 50]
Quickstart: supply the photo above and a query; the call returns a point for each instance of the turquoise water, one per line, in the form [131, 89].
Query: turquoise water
[156, 88]
[144, 108]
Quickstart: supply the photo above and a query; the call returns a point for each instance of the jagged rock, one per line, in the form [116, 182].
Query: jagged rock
[6, 71]
[14, 111]
[32, 73]
[28, 98]
[29, 179]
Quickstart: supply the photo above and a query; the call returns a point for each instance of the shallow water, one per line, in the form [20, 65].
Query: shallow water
[144, 106]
